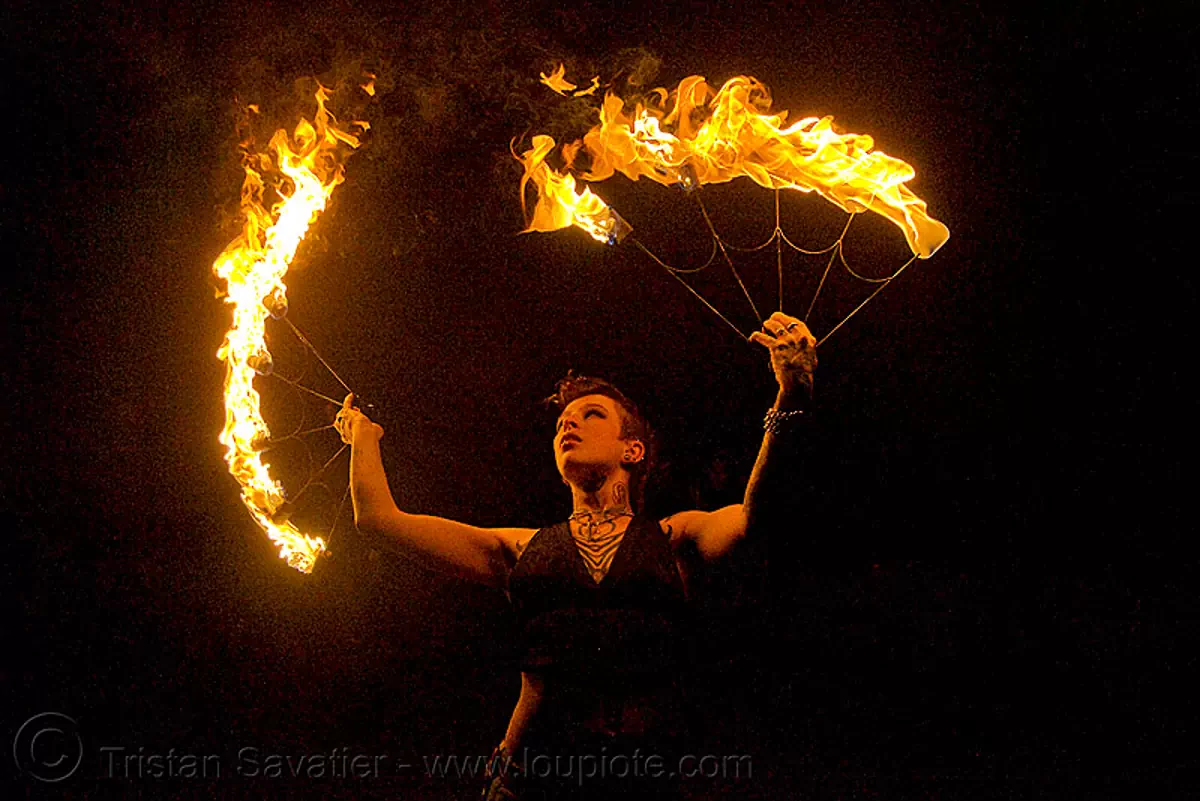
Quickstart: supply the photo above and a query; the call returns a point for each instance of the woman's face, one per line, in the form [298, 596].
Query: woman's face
[588, 437]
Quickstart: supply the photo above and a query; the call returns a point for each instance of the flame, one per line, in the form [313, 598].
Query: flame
[559, 204]
[709, 136]
[253, 266]
[591, 89]
[558, 82]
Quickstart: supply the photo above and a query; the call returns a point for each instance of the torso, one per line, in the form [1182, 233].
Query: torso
[552, 701]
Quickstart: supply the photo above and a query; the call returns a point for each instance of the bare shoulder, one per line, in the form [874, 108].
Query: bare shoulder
[713, 534]
[514, 540]
[681, 526]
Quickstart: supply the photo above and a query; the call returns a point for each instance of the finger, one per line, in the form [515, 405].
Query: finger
[348, 403]
[798, 334]
[786, 323]
[798, 327]
[762, 339]
[786, 320]
[342, 430]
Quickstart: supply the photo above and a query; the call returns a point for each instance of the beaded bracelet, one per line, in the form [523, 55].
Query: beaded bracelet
[776, 421]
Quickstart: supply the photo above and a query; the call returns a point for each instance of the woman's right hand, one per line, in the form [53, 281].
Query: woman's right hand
[351, 423]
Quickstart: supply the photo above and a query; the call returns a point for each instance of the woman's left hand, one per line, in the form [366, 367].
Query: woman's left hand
[793, 358]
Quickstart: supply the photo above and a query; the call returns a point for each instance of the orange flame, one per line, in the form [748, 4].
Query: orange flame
[559, 205]
[709, 136]
[591, 89]
[253, 266]
[558, 82]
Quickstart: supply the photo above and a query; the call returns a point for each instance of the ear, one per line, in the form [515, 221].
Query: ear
[635, 451]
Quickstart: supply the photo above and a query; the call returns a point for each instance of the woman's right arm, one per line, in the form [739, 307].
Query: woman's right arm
[479, 554]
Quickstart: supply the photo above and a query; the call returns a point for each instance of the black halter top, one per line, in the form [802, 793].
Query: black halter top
[626, 624]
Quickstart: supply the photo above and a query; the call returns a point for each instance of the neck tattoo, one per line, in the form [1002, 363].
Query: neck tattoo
[593, 524]
[597, 532]
[597, 537]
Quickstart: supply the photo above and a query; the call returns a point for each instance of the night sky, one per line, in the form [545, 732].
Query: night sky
[974, 590]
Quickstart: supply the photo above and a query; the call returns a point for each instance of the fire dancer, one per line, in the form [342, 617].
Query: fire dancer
[598, 594]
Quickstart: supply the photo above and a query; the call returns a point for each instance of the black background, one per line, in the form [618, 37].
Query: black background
[978, 599]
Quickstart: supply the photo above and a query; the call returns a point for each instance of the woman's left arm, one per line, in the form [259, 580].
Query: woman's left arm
[793, 360]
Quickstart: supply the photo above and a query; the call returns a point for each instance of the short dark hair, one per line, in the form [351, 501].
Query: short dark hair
[633, 424]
